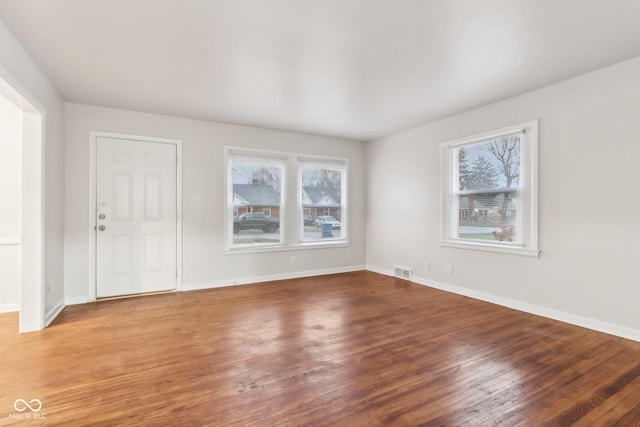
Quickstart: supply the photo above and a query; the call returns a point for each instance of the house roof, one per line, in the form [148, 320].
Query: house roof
[320, 196]
[262, 194]
[255, 194]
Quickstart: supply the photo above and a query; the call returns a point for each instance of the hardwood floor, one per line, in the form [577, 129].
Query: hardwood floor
[355, 349]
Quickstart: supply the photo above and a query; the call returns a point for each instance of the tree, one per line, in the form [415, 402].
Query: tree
[507, 152]
[323, 178]
[267, 176]
[483, 174]
[464, 172]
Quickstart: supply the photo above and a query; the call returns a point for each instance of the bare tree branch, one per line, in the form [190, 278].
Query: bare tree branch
[507, 151]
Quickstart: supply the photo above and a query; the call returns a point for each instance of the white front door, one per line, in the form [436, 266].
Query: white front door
[136, 217]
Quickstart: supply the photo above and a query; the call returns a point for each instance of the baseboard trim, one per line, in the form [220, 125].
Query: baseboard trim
[53, 313]
[9, 308]
[76, 300]
[268, 278]
[374, 269]
[562, 316]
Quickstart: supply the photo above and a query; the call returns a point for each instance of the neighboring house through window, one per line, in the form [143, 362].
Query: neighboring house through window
[257, 195]
[255, 182]
[323, 185]
[490, 195]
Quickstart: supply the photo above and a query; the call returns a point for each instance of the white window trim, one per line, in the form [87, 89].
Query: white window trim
[276, 158]
[528, 193]
[344, 206]
[290, 219]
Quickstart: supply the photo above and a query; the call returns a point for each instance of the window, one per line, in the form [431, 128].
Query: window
[490, 191]
[323, 188]
[256, 218]
[255, 183]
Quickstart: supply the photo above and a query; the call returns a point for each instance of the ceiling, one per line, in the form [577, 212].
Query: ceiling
[357, 69]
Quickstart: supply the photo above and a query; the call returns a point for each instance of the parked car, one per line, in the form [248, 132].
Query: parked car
[327, 219]
[308, 220]
[256, 220]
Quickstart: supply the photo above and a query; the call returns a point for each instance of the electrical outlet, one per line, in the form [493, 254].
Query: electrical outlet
[427, 266]
[294, 259]
[448, 270]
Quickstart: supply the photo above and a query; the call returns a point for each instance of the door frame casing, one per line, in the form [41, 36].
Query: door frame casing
[93, 171]
[33, 304]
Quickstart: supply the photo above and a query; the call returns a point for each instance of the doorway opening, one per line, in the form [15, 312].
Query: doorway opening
[24, 224]
[10, 189]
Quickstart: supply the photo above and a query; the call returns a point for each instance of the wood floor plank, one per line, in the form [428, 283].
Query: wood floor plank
[619, 412]
[353, 349]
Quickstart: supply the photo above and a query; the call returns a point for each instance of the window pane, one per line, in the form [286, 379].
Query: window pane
[488, 216]
[256, 188]
[493, 164]
[322, 201]
[489, 178]
[490, 196]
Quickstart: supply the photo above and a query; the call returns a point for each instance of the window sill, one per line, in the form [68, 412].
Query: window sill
[487, 247]
[283, 248]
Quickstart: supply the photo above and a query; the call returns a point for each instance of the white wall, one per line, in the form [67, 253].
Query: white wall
[589, 203]
[16, 63]
[204, 263]
[9, 171]
[9, 206]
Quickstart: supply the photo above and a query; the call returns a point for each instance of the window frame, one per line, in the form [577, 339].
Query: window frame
[290, 193]
[338, 163]
[527, 192]
[269, 158]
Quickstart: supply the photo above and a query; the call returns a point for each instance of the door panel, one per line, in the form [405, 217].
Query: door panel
[152, 253]
[122, 254]
[135, 216]
[123, 193]
[152, 198]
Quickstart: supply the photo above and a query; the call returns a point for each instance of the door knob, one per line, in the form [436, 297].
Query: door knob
[102, 228]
